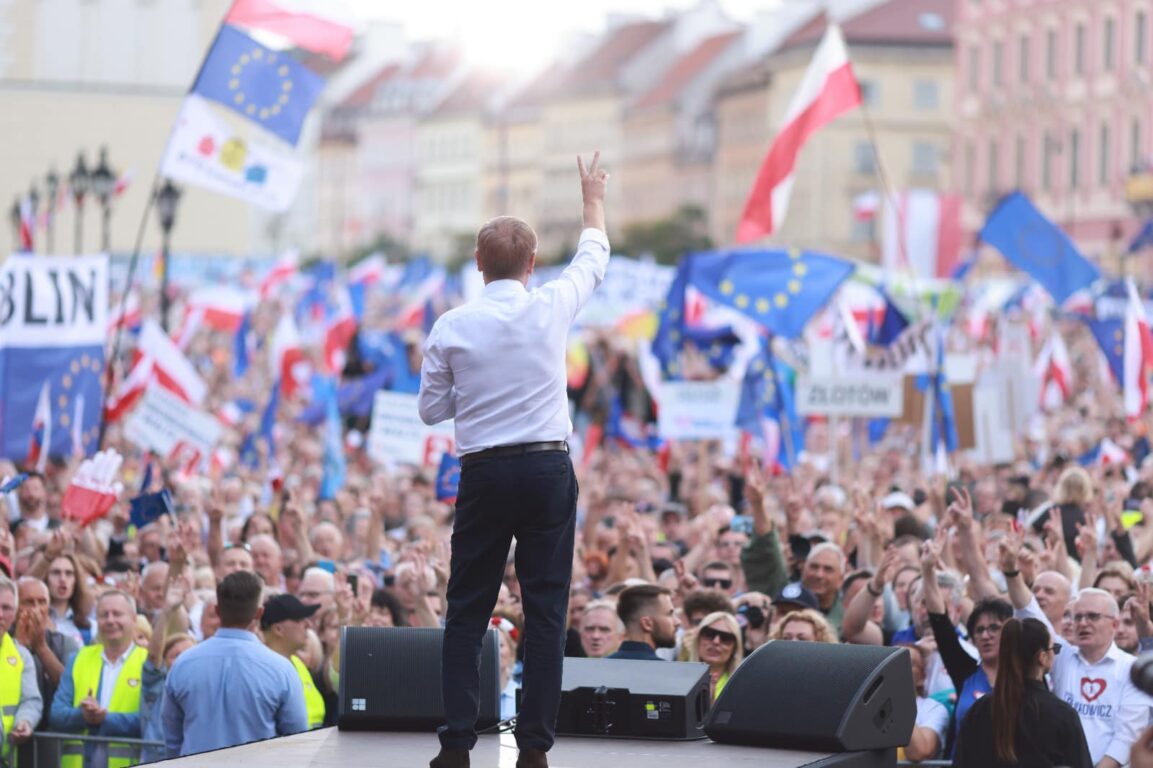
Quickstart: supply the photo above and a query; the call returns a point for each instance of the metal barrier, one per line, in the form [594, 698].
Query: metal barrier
[48, 755]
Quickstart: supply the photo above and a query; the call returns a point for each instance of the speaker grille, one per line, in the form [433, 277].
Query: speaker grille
[390, 679]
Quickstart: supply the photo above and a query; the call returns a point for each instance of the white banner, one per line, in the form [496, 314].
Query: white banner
[53, 301]
[162, 421]
[397, 434]
[629, 286]
[698, 410]
[874, 396]
[205, 151]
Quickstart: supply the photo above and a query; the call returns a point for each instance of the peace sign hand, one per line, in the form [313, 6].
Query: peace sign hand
[594, 179]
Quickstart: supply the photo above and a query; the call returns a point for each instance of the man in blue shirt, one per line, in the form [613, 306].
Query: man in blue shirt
[231, 689]
[650, 621]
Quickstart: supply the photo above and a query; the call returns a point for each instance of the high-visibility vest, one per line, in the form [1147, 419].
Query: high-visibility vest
[86, 673]
[313, 701]
[11, 672]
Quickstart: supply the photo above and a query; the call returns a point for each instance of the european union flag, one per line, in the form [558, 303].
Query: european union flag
[1038, 247]
[767, 392]
[1144, 239]
[268, 87]
[1110, 335]
[669, 339]
[780, 289]
[149, 507]
[892, 324]
[448, 478]
[717, 344]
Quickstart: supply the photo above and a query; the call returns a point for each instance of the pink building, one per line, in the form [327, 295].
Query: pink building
[1055, 98]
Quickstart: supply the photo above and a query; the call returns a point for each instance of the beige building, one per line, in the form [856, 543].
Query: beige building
[902, 54]
[77, 75]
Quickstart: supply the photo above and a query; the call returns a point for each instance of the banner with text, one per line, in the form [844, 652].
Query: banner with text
[53, 323]
[698, 410]
[397, 434]
[167, 425]
[879, 396]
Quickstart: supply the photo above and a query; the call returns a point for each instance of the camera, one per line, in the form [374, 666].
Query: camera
[753, 614]
[1141, 673]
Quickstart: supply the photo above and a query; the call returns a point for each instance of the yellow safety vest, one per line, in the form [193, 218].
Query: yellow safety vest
[313, 701]
[86, 673]
[11, 672]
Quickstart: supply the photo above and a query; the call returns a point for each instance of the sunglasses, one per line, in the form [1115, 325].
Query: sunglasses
[1056, 649]
[987, 629]
[1091, 617]
[241, 545]
[726, 638]
[722, 583]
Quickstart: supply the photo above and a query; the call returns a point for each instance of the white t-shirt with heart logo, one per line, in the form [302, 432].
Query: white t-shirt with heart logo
[1113, 711]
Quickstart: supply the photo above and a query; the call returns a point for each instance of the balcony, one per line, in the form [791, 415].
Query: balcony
[1139, 190]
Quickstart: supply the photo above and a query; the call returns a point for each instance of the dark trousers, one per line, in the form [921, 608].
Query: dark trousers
[531, 497]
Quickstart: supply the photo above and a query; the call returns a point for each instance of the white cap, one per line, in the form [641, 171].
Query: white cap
[898, 499]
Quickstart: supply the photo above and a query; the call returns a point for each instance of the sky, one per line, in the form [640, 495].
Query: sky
[510, 32]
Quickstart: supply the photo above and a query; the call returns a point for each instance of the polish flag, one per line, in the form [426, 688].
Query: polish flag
[921, 232]
[828, 90]
[338, 332]
[282, 272]
[1055, 372]
[368, 272]
[286, 357]
[412, 314]
[41, 441]
[27, 225]
[220, 307]
[308, 24]
[157, 361]
[1138, 356]
[866, 205]
[126, 314]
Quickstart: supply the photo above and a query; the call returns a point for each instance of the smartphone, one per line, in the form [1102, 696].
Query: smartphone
[353, 582]
[741, 524]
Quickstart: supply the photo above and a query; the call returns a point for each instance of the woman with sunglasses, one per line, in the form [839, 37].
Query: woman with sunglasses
[718, 644]
[1022, 723]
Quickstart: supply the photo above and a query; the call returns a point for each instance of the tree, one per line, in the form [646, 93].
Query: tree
[667, 240]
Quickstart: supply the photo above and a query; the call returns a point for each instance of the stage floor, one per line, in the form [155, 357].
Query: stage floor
[330, 748]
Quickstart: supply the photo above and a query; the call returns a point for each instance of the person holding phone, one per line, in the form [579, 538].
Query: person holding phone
[497, 367]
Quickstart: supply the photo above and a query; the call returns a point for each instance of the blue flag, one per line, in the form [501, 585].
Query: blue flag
[1144, 238]
[148, 507]
[240, 346]
[943, 427]
[334, 464]
[1110, 336]
[269, 88]
[1036, 246]
[354, 398]
[780, 289]
[767, 393]
[892, 323]
[448, 478]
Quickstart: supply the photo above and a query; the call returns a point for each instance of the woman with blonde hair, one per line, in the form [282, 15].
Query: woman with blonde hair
[717, 642]
[805, 625]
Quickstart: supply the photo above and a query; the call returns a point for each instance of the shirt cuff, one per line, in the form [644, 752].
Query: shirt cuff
[592, 234]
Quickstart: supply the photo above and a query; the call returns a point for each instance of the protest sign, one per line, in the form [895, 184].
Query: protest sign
[398, 435]
[698, 410]
[874, 396]
[163, 422]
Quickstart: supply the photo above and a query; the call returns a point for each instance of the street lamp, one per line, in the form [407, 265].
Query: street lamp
[34, 207]
[166, 199]
[51, 188]
[78, 182]
[103, 182]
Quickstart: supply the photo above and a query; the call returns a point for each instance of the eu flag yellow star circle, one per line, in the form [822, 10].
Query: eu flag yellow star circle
[263, 104]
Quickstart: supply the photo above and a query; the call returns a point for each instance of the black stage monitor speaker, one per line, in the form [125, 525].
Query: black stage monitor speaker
[633, 699]
[390, 679]
[817, 696]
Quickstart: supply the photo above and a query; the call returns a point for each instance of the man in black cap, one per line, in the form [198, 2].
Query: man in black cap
[794, 597]
[285, 627]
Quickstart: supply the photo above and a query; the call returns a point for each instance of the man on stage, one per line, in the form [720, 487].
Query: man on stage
[497, 366]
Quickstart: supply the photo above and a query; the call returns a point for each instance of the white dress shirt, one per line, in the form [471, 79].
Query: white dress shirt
[1113, 711]
[497, 364]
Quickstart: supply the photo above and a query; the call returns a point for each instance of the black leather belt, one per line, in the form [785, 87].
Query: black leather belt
[514, 450]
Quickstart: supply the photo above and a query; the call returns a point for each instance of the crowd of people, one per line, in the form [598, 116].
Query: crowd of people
[1021, 590]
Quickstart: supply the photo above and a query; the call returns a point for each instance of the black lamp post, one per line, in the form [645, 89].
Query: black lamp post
[14, 220]
[51, 189]
[103, 182]
[166, 199]
[34, 208]
[78, 182]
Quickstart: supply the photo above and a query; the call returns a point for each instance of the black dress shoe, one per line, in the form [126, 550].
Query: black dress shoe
[532, 758]
[450, 758]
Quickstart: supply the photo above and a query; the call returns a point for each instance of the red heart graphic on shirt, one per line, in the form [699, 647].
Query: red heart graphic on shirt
[1092, 688]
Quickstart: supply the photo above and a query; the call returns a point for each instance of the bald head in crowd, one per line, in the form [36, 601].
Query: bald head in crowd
[267, 559]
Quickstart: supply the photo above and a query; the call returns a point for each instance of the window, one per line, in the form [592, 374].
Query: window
[994, 185]
[1019, 163]
[1108, 34]
[1104, 152]
[925, 94]
[1140, 36]
[970, 164]
[998, 60]
[924, 158]
[1051, 54]
[870, 93]
[974, 67]
[1074, 159]
[1046, 166]
[1079, 50]
[1023, 59]
[1135, 143]
[864, 161]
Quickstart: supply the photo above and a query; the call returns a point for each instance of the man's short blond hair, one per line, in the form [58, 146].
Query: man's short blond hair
[506, 246]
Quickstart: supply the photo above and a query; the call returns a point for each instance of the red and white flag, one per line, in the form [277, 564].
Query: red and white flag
[314, 25]
[1138, 356]
[219, 307]
[1055, 372]
[339, 330]
[828, 90]
[286, 357]
[41, 441]
[282, 272]
[921, 233]
[157, 360]
[866, 205]
[27, 226]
